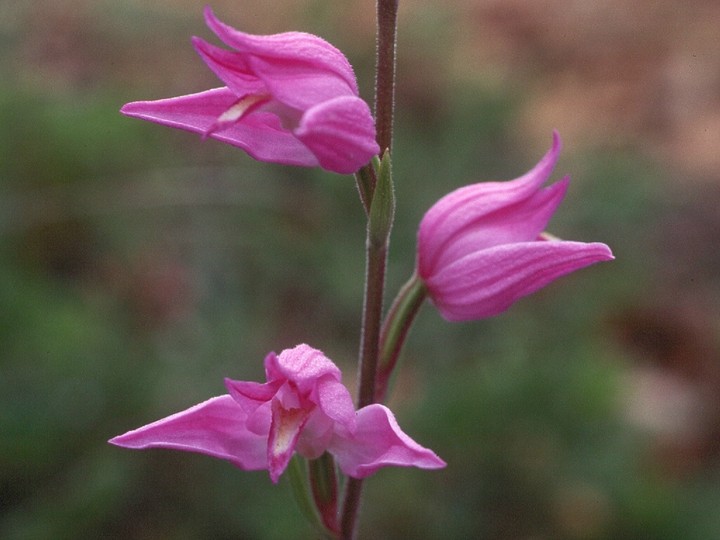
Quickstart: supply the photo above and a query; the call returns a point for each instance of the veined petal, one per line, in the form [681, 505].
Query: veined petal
[250, 395]
[470, 204]
[299, 69]
[260, 134]
[379, 442]
[489, 281]
[316, 435]
[231, 68]
[215, 428]
[284, 432]
[340, 133]
[335, 402]
[299, 85]
[520, 222]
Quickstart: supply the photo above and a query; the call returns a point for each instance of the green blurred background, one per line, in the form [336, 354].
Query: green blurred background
[139, 265]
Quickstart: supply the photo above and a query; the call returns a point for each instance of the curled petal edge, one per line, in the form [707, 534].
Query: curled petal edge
[379, 442]
[476, 200]
[284, 48]
[520, 222]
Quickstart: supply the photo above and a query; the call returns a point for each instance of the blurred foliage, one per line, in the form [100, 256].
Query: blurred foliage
[139, 266]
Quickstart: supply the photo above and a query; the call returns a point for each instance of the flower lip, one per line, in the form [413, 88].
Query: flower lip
[242, 107]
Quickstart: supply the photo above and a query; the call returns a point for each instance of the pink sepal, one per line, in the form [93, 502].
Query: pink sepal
[215, 427]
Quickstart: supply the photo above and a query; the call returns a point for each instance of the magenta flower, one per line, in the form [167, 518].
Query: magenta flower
[482, 247]
[303, 407]
[289, 98]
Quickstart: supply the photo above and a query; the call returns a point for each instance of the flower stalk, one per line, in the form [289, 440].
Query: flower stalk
[323, 482]
[395, 329]
[298, 475]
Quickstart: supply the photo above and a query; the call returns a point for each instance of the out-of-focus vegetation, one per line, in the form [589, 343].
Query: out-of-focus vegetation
[138, 266]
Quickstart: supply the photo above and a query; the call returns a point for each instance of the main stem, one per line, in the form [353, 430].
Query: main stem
[370, 348]
[376, 254]
[369, 353]
[385, 71]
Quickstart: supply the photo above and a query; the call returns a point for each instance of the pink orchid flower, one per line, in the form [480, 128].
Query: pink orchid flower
[482, 247]
[289, 98]
[303, 407]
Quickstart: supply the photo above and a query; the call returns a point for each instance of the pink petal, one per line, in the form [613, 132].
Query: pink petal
[520, 222]
[316, 435]
[340, 133]
[260, 419]
[272, 371]
[215, 428]
[335, 401]
[303, 365]
[292, 398]
[489, 281]
[260, 134]
[472, 204]
[250, 395]
[231, 67]
[379, 442]
[300, 70]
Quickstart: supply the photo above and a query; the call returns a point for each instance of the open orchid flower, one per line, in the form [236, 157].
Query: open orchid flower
[482, 247]
[288, 98]
[303, 407]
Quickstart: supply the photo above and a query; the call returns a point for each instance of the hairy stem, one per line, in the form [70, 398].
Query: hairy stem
[323, 483]
[369, 353]
[376, 251]
[385, 71]
[351, 508]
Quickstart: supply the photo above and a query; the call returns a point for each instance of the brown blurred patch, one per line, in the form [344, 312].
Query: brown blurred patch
[644, 73]
[673, 389]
